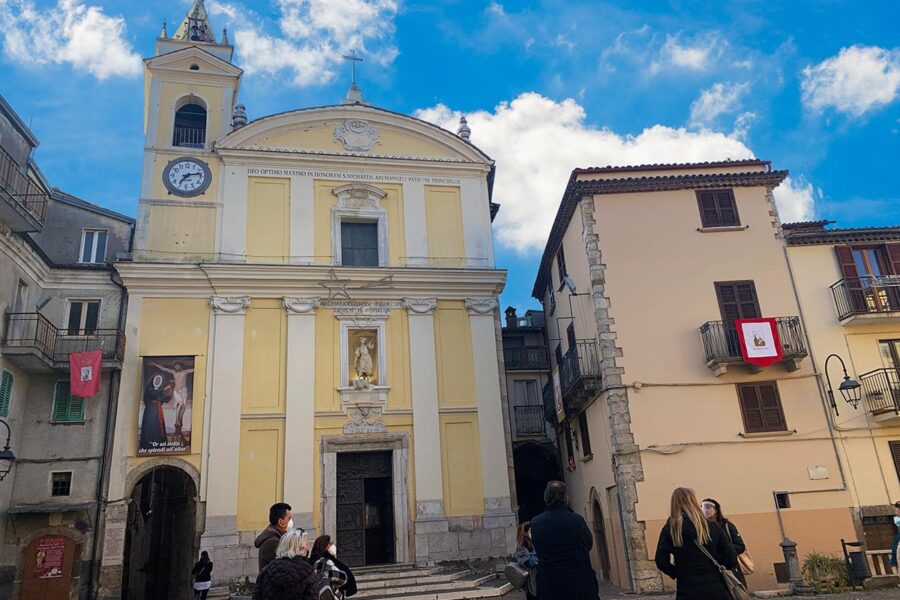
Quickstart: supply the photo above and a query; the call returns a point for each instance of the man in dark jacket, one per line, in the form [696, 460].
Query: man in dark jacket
[267, 541]
[563, 544]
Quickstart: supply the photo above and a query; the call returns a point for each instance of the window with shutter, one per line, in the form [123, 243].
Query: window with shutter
[895, 454]
[585, 435]
[561, 265]
[737, 300]
[66, 408]
[761, 407]
[717, 208]
[6, 386]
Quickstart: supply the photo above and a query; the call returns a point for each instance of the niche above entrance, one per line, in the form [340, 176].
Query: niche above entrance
[363, 383]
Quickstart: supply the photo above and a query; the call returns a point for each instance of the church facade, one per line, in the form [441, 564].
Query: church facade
[312, 318]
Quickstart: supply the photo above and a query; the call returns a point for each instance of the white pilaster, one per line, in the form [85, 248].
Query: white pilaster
[494, 473]
[426, 421]
[302, 222]
[234, 215]
[225, 398]
[300, 410]
[476, 218]
[415, 224]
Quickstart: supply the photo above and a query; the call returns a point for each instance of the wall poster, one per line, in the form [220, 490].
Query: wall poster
[167, 394]
[48, 557]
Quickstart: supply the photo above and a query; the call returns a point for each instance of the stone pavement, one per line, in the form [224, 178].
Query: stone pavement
[610, 592]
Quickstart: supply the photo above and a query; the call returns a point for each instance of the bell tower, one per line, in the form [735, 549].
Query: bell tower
[190, 91]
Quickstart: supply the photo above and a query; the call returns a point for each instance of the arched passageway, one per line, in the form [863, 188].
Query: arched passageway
[535, 464]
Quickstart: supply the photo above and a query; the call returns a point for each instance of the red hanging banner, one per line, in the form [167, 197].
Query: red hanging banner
[84, 373]
[759, 340]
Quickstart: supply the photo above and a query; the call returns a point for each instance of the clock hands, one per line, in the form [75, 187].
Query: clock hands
[186, 175]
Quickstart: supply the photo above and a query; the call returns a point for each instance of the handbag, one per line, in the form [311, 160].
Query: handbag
[734, 585]
[744, 559]
[516, 574]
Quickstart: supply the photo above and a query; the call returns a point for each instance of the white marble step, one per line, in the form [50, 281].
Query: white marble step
[415, 578]
[486, 586]
[392, 572]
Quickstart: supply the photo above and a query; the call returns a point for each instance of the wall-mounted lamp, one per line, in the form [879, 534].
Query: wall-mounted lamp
[849, 388]
[7, 458]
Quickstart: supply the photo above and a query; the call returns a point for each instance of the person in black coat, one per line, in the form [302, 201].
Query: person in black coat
[289, 576]
[563, 544]
[696, 577]
[713, 511]
[202, 573]
[323, 558]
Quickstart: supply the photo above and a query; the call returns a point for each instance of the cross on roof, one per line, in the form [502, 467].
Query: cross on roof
[353, 58]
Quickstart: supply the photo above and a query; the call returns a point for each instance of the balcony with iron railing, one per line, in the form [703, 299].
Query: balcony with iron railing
[189, 137]
[529, 420]
[579, 375]
[722, 348]
[23, 203]
[33, 343]
[881, 390]
[867, 298]
[528, 358]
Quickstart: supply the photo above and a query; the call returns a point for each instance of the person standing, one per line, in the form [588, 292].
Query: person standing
[563, 544]
[280, 522]
[526, 557]
[713, 511]
[695, 575]
[896, 540]
[324, 560]
[289, 576]
[202, 573]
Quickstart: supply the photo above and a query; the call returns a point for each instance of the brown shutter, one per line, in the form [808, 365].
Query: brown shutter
[737, 300]
[895, 454]
[853, 287]
[761, 407]
[892, 254]
[845, 260]
[727, 207]
[709, 215]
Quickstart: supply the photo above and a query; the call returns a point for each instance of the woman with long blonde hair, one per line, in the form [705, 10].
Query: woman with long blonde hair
[687, 528]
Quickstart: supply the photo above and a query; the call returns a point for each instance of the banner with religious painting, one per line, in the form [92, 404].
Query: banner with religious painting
[759, 340]
[557, 397]
[167, 395]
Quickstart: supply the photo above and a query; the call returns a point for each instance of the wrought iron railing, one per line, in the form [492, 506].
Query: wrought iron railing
[881, 389]
[581, 361]
[24, 330]
[528, 358]
[529, 420]
[869, 294]
[22, 189]
[189, 137]
[720, 339]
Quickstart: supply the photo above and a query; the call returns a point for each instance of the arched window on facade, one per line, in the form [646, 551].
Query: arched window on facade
[190, 126]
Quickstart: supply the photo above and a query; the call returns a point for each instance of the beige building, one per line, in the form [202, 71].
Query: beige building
[644, 273]
[848, 281]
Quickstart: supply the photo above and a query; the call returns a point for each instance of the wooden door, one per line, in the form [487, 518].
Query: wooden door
[353, 469]
[48, 573]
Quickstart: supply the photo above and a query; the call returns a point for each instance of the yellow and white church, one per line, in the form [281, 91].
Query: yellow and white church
[311, 318]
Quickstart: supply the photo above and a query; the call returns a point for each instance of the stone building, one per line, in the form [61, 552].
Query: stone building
[312, 318]
[645, 273]
[58, 294]
[533, 434]
[848, 282]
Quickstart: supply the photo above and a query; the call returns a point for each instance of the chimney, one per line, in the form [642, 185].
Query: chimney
[512, 320]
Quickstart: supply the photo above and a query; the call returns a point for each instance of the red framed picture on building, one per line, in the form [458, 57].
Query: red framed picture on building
[759, 341]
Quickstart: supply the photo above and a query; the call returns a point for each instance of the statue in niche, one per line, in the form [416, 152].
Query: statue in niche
[363, 363]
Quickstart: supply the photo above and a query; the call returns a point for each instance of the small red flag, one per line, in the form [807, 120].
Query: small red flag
[84, 373]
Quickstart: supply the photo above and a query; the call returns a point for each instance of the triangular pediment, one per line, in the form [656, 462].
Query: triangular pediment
[182, 60]
[354, 130]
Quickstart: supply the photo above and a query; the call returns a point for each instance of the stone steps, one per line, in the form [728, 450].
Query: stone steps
[429, 584]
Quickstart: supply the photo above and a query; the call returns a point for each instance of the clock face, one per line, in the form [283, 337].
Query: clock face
[186, 177]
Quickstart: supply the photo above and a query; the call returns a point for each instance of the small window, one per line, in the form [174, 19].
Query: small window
[190, 127]
[552, 299]
[93, 246]
[570, 335]
[61, 483]
[585, 435]
[194, 67]
[782, 500]
[895, 454]
[527, 393]
[6, 387]
[83, 317]
[570, 448]
[359, 244]
[558, 354]
[761, 407]
[561, 266]
[66, 408]
[717, 208]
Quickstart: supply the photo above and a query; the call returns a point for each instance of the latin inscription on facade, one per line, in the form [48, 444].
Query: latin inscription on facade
[377, 177]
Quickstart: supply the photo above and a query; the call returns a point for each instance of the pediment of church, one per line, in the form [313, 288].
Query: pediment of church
[353, 130]
[183, 60]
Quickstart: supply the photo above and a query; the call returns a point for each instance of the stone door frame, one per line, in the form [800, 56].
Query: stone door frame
[395, 443]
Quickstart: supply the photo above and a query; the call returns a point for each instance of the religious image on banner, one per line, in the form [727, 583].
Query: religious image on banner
[557, 397]
[759, 340]
[84, 373]
[167, 395]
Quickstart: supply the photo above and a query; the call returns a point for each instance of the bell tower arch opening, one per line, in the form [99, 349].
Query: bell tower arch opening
[189, 129]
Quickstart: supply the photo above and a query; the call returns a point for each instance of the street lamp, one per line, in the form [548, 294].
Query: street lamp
[849, 388]
[7, 458]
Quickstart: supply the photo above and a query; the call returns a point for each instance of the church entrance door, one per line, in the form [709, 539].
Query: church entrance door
[365, 508]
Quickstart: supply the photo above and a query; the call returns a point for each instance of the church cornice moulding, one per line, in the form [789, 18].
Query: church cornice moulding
[230, 305]
[481, 306]
[300, 306]
[420, 306]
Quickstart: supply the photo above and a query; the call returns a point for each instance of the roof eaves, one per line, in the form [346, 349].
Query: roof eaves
[61, 196]
[17, 122]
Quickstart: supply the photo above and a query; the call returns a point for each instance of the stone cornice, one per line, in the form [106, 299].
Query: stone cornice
[481, 306]
[230, 305]
[278, 281]
[420, 306]
[300, 306]
[830, 237]
[48, 277]
[576, 190]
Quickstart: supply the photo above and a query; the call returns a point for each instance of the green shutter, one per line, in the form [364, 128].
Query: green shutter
[6, 385]
[67, 409]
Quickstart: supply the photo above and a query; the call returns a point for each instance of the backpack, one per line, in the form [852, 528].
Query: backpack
[323, 584]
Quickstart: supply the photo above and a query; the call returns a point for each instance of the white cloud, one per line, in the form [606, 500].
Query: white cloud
[858, 80]
[796, 200]
[68, 33]
[718, 100]
[532, 173]
[314, 35]
[697, 57]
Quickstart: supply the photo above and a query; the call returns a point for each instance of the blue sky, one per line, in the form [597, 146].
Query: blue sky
[546, 86]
